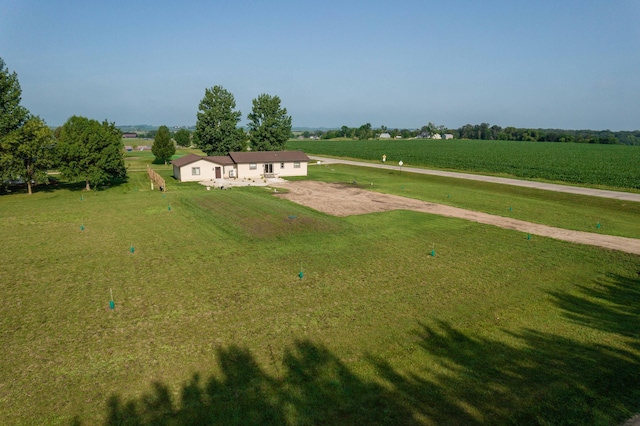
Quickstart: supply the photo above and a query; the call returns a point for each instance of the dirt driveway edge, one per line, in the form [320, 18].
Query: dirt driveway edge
[344, 200]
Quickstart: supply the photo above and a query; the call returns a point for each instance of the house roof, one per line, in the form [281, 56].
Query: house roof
[244, 157]
[224, 160]
[187, 159]
[267, 156]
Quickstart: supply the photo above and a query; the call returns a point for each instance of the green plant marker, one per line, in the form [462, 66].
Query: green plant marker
[132, 249]
[169, 208]
[82, 227]
[112, 304]
[433, 253]
[528, 236]
[510, 209]
[301, 274]
[82, 198]
[598, 225]
[448, 196]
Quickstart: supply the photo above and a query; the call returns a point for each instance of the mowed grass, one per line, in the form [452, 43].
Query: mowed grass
[568, 211]
[212, 322]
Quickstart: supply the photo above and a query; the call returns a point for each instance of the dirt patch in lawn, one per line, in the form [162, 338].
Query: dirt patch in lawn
[340, 199]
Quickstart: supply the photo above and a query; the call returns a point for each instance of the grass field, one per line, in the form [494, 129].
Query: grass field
[213, 323]
[568, 211]
[611, 166]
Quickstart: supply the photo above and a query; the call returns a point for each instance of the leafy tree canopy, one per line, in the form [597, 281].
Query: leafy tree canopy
[12, 117]
[32, 151]
[12, 114]
[216, 129]
[269, 124]
[163, 147]
[182, 137]
[90, 151]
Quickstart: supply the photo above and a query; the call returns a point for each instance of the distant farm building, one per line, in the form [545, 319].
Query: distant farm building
[448, 136]
[129, 135]
[385, 136]
[257, 164]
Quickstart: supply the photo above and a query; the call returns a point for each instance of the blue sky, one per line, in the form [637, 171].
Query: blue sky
[539, 64]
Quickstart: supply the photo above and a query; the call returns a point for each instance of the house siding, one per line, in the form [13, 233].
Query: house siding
[207, 171]
[182, 167]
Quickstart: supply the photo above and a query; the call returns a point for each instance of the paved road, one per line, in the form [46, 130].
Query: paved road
[627, 196]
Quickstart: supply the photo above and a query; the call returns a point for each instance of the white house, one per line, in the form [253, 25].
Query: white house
[255, 164]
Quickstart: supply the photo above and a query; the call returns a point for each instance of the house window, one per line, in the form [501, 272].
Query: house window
[195, 171]
[296, 164]
[253, 166]
[282, 165]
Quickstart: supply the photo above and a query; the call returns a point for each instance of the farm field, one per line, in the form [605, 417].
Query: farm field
[605, 166]
[213, 322]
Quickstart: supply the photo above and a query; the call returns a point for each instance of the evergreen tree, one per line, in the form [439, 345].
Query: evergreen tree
[163, 147]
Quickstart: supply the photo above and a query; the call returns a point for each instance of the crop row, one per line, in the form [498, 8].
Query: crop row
[608, 165]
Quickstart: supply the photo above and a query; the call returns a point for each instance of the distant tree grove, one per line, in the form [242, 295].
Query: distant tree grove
[483, 131]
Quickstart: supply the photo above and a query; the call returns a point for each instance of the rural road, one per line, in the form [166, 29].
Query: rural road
[627, 196]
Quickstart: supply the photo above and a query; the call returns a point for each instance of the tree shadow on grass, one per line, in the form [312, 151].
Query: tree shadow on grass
[540, 378]
[530, 377]
[316, 388]
[55, 185]
[613, 306]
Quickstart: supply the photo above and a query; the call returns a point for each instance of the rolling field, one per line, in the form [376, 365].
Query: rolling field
[611, 166]
[213, 324]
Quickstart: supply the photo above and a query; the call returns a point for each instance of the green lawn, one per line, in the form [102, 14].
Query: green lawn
[212, 322]
[557, 209]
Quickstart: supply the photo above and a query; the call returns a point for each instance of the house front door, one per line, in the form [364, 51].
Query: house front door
[218, 173]
[268, 168]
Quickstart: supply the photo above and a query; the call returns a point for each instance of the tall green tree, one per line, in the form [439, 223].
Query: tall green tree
[90, 151]
[12, 117]
[269, 124]
[364, 132]
[32, 151]
[163, 147]
[183, 137]
[217, 131]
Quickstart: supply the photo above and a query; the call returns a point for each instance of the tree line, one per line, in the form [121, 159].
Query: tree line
[89, 151]
[483, 131]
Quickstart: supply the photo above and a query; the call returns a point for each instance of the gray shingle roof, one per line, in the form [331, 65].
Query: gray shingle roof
[267, 156]
[244, 157]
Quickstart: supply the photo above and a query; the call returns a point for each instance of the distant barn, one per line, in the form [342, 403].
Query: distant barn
[129, 135]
